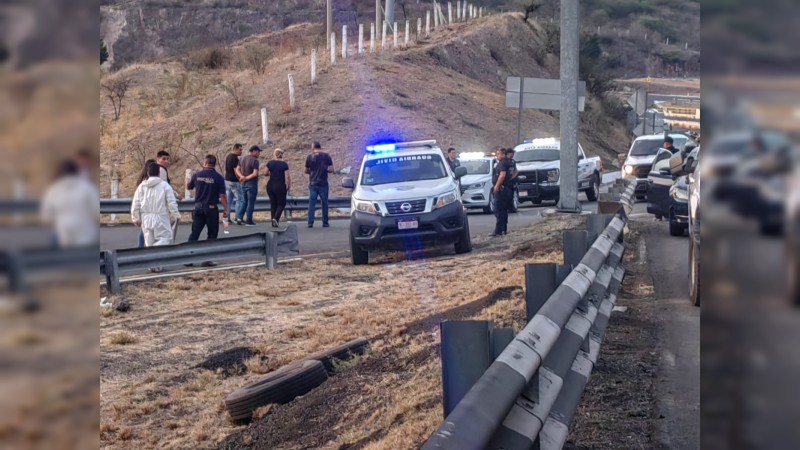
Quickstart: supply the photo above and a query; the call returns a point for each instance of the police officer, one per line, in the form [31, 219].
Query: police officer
[513, 165]
[503, 192]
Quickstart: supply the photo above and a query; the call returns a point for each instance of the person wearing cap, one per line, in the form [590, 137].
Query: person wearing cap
[502, 192]
[318, 165]
[668, 141]
[248, 167]
[514, 181]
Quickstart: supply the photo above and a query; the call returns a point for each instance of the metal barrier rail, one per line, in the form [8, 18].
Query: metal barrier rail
[21, 265]
[123, 205]
[115, 263]
[531, 391]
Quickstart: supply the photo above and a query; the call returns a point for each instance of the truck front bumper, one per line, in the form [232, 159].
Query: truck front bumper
[438, 227]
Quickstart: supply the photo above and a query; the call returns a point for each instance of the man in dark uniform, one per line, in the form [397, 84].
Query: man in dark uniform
[668, 144]
[452, 159]
[513, 165]
[503, 192]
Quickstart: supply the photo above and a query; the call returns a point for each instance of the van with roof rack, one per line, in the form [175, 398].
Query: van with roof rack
[406, 197]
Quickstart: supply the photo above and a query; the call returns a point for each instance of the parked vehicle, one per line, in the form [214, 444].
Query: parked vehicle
[693, 179]
[793, 237]
[476, 185]
[641, 156]
[539, 166]
[406, 197]
[667, 192]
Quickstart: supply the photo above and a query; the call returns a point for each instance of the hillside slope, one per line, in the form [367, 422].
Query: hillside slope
[449, 88]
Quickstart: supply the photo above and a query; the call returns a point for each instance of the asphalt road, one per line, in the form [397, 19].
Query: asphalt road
[678, 382]
[324, 240]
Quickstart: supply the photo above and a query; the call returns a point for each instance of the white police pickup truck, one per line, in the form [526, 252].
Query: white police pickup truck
[406, 197]
[539, 166]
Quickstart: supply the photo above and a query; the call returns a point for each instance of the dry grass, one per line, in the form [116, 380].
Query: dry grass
[155, 389]
[121, 338]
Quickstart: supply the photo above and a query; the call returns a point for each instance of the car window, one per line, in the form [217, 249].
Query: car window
[662, 160]
[662, 164]
[537, 155]
[476, 166]
[646, 147]
[399, 169]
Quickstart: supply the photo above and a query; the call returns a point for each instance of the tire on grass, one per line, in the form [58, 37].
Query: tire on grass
[280, 386]
[342, 353]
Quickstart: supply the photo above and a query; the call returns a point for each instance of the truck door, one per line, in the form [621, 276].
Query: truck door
[658, 183]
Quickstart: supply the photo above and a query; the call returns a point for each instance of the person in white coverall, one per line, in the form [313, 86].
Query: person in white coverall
[154, 208]
[72, 207]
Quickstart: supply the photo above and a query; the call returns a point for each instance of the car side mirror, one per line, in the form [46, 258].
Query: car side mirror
[348, 183]
[460, 172]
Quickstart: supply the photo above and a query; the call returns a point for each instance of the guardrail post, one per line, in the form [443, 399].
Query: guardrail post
[112, 272]
[574, 246]
[466, 354]
[16, 272]
[500, 338]
[540, 283]
[562, 271]
[271, 249]
[595, 224]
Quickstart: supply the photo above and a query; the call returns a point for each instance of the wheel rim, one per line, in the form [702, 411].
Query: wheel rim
[516, 200]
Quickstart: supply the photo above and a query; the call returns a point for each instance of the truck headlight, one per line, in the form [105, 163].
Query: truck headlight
[628, 169]
[679, 194]
[474, 186]
[552, 175]
[365, 206]
[445, 199]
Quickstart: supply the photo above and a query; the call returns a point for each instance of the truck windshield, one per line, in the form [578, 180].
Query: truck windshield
[537, 155]
[646, 147]
[475, 166]
[401, 169]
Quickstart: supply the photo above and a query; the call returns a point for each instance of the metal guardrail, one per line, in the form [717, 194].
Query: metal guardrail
[115, 263]
[532, 389]
[23, 265]
[123, 205]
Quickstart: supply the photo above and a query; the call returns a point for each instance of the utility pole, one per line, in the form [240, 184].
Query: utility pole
[329, 22]
[390, 12]
[570, 32]
[377, 14]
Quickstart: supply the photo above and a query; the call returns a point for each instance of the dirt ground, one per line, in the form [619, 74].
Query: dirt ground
[618, 408]
[168, 363]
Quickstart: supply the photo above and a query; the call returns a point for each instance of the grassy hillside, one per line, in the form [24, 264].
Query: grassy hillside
[448, 88]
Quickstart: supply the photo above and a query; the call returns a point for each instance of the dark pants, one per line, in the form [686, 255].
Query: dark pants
[247, 203]
[141, 238]
[205, 217]
[277, 200]
[502, 202]
[313, 193]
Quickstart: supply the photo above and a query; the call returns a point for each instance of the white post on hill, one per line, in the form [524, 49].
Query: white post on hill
[383, 37]
[360, 38]
[435, 16]
[114, 189]
[187, 193]
[372, 38]
[419, 28]
[291, 85]
[394, 36]
[264, 129]
[333, 49]
[408, 29]
[344, 42]
[458, 10]
[428, 23]
[449, 12]
[313, 65]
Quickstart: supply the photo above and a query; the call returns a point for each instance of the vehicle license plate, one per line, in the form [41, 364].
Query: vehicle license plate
[407, 224]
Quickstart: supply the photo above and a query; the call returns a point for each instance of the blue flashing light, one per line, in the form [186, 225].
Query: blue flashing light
[381, 148]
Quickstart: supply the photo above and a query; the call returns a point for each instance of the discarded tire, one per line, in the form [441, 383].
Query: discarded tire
[281, 386]
[343, 352]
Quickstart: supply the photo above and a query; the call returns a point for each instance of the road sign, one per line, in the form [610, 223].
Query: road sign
[539, 93]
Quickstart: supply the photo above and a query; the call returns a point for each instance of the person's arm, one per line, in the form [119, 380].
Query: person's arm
[224, 200]
[238, 171]
[266, 170]
[191, 183]
[136, 207]
[308, 168]
[172, 205]
[254, 174]
[500, 181]
[288, 181]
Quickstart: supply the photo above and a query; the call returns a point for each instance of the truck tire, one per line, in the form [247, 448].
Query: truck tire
[694, 273]
[341, 353]
[489, 209]
[592, 192]
[514, 202]
[281, 386]
[675, 228]
[464, 244]
[358, 255]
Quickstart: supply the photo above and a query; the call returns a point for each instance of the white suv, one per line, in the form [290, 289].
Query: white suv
[406, 197]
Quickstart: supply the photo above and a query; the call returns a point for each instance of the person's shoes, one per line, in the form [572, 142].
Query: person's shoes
[326, 225]
[188, 265]
[209, 264]
[250, 224]
[274, 223]
[156, 270]
[239, 222]
[495, 235]
[311, 225]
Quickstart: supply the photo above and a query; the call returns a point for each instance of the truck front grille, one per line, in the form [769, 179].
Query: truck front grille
[414, 207]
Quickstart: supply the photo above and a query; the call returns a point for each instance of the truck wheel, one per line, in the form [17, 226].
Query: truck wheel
[694, 273]
[675, 228]
[358, 254]
[489, 209]
[591, 193]
[515, 202]
[464, 244]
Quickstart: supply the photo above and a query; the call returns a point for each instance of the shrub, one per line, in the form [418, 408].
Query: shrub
[255, 57]
[207, 58]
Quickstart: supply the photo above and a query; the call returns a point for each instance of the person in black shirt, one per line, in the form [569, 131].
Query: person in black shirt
[318, 165]
[209, 188]
[278, 185]
[452, 159]
[503, 191]
[668, 144]
[233, 188]
[514, 172]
